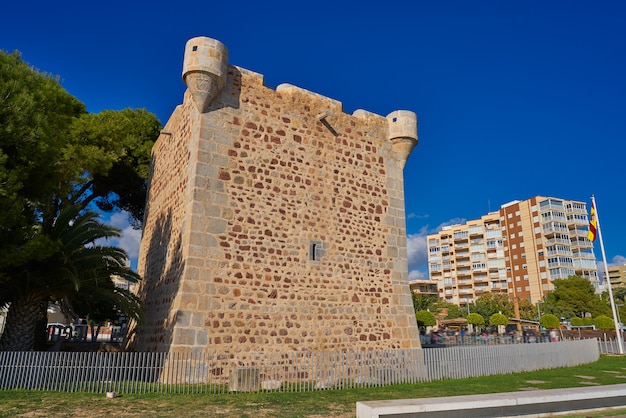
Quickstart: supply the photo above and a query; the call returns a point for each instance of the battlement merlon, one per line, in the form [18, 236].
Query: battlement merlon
[205, 71]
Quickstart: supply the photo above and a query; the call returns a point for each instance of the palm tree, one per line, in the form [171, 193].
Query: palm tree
[64, 262]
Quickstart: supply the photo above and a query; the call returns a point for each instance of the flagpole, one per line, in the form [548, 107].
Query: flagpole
[618, 331]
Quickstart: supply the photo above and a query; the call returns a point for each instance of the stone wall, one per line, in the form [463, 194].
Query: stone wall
[275, 222]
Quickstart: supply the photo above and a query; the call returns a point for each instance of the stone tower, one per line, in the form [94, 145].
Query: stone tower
[275, 221]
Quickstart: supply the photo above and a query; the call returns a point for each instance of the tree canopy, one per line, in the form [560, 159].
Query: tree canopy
[475, 319]
[549, 321]
[423, 302]
[425, 319]
[498, 319]
[491, 303]
[604, 322]
[453, 311]
[56, 163]
[527, 310]
[574, 296]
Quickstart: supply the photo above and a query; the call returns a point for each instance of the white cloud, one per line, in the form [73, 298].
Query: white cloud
[417, 275]
[618, 260]
[130, 238]
[416, 216]
[417, 248]
[417, 251]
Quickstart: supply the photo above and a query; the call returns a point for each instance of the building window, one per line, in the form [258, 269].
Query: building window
[316, 251]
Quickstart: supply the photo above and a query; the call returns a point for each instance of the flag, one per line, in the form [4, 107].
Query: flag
[593, 222]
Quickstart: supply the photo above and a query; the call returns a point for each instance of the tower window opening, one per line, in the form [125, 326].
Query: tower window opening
[315, 251]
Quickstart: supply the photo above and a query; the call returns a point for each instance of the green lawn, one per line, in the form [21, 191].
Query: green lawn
[336, 403]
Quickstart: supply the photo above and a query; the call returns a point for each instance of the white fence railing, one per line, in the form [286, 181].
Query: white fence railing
[609, 346]
[289, 372]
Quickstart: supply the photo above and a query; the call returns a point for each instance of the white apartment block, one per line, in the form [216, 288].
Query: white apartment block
[519, 250]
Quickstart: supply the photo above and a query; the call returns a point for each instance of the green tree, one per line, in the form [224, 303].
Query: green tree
[576, 321]
[422, 302]
[604, 322]
[574, 296]
[549, 321]
[491, 303]
[55, 156]
[453, 310]
[476, 320]
[75, 266]
[498, 319]
[53, 153]
[36, 114]
[425, 319]
[619, 294]
[527, 310]
[112, 152]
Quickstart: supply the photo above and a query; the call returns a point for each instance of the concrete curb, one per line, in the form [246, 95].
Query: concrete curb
[534, 403]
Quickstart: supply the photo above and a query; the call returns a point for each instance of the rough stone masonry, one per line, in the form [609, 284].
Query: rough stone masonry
[275, 221]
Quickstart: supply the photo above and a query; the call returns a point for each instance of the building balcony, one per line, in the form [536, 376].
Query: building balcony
[554, 217]
[572, 209]
[561, 273]
[582, 242]
[551, 204]
[558, 264]
[589, 264]
[577, 222]
[553, 229]
[565, 252]
[575, 232]
[561, 240]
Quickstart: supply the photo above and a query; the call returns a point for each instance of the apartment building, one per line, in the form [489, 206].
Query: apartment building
[519, 249]
[617, 275]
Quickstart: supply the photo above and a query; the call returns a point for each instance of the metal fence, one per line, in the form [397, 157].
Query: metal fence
[287, 372]
[609, 346]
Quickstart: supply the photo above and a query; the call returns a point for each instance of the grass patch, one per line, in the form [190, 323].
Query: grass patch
[336, 403]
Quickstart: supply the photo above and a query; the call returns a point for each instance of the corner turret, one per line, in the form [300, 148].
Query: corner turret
[205, 69]
[402, 133]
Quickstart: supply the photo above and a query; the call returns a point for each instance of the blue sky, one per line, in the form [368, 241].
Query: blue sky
[514, 98]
